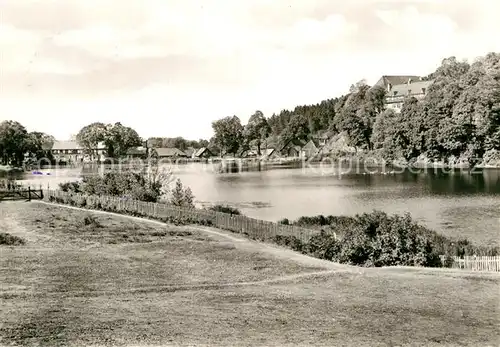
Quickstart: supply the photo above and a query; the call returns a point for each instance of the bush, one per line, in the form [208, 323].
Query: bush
[225, 209]
[284, 221]
[182, 197]
[73, 187]
[323, 245]
[90, 220]
[289, 241]
[377, 239]
[130, 184]
[10, 240]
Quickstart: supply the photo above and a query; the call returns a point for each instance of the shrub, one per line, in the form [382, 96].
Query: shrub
[323, 245]
[10, 240]
[90, 220]
[181, 197]
[284, 221]
[225, 209]
[289, 241]
[70, 187]
[377, 239]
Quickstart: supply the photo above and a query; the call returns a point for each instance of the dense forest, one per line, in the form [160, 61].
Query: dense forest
[458, 118]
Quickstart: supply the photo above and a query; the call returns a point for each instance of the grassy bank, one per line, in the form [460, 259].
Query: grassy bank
[89, 279]
[10, 169]
[374, 239]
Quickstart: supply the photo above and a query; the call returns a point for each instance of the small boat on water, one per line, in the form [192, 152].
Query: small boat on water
[40, 173]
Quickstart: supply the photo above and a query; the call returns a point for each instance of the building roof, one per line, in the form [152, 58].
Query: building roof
[137, 151]
[201, 151]
[72, 145]
[268, 151]
[408, 89]
[294, 143]
[170, 152]
[312, 142]
[385, 80]
[58, 145]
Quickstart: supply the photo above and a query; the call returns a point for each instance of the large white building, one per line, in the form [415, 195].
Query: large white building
[72, 152]
[398, 88]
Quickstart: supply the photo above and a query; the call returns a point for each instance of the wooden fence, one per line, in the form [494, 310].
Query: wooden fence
[482, 263]
[17, 193]
[253, 228]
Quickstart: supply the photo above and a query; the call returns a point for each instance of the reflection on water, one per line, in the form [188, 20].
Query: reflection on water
[453, 203]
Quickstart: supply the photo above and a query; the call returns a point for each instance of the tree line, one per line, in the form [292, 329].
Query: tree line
[17, 145]
[459, 117]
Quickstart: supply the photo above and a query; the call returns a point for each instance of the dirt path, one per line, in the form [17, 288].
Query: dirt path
[10, 224]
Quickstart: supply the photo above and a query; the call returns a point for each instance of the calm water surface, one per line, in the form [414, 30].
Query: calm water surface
[454, 203]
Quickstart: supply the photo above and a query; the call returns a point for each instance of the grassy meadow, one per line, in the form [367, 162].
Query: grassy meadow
[86, 279]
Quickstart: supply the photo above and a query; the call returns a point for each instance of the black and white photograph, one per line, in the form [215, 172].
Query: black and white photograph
[249, 173]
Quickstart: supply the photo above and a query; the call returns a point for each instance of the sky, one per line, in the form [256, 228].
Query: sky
[170, 67]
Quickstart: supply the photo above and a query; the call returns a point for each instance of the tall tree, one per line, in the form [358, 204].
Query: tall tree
[39, 145]
[359, 113]
[228, 134]
[383, 129]
[13, 142]
[297, 128]
[256, 130]
[91, 135]
[118, 139]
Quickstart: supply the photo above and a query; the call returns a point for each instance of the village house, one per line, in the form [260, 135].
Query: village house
[71, 152]
[248, 153]
[322, 140]
[311, 148]
[269, 154]
[293, 149]
[169, 153]
[137, 153]
[398, 88]
[203, 153]
[190, 152]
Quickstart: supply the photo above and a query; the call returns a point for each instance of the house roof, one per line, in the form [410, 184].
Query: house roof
[139, 151]
[396, 79]
[72, 145]
[201, 151]
[58, 145]
[169, 152]
[312, 142]
[268, 151]
[295, 143]
[408, 89]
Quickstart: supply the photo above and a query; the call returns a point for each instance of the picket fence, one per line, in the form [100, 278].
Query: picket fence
[482, 263]
[253, 228]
